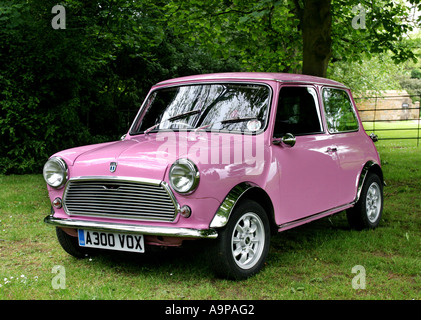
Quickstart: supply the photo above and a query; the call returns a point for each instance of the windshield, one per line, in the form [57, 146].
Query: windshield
[231, 107]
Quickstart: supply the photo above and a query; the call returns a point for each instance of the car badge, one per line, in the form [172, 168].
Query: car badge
[113, 166]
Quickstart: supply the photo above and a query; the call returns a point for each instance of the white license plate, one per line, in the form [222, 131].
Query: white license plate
[111, 241]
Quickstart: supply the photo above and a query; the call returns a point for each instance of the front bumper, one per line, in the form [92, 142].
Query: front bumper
[132, 229]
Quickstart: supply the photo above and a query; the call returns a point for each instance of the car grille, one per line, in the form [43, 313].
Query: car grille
[120, 198]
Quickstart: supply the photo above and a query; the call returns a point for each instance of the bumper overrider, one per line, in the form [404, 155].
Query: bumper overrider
[131, 229]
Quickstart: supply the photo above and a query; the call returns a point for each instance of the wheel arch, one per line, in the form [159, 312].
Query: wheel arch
[369, 167]
[244, 190]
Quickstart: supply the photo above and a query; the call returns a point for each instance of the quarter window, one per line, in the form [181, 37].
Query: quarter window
[340, 115]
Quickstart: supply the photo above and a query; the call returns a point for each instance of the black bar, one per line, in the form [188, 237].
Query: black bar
[394, 109]
[399, 129]
[389, 120]
[397, 138]
[386, 97]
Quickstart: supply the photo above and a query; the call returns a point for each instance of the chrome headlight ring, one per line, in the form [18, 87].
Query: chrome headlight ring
[55, 172]
[184, 176]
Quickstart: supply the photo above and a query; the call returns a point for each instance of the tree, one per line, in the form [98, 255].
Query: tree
[290, 35]
[372, 75]
[316, 22]
[60, 88]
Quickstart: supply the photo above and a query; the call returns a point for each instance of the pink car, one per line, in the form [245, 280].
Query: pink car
[231, 157]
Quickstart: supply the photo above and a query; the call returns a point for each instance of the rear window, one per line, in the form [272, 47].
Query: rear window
[340, 114]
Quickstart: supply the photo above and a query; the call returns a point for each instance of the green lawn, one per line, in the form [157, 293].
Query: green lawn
[314, 261]
[406, 130]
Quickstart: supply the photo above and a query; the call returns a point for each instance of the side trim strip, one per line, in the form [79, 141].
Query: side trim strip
[132, 229]
[316, 216]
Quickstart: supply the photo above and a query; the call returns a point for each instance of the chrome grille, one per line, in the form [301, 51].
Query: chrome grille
[120, 198]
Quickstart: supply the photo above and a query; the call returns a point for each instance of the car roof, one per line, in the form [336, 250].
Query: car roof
[262, 76]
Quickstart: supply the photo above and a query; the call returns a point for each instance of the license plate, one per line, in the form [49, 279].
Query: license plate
[111, 241]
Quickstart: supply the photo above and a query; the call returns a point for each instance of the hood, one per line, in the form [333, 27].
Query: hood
[149, 156]
[143, 157]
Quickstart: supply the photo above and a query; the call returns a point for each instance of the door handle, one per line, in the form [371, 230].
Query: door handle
[332, 149]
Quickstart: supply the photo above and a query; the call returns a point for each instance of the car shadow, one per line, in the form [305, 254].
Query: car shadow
[157, 260]
[193, 256]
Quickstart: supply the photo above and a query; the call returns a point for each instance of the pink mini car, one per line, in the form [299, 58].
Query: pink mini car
[232, 157]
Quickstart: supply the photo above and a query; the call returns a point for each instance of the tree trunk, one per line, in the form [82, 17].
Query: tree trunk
[316, 25]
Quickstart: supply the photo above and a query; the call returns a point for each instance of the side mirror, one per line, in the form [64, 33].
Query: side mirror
[374, 137]
[288, 139]
[123, 137]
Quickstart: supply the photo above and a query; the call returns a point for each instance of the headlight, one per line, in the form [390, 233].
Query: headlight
[184, 176]
[55, 172]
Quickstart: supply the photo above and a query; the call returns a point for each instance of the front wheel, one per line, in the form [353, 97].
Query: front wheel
[242, 246]
[70, 244]
[368, 210]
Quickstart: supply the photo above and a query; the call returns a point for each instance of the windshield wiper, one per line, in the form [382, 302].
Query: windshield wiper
[234, 120]
[178, 116]
[185, 114]
[182, 115]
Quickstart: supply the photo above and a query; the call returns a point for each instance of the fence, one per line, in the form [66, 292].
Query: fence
[387, 114]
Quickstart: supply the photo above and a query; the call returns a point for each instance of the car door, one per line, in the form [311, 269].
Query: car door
[343, 125]
[309, 174]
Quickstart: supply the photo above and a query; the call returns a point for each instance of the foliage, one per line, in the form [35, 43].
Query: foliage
[373, 75]
[412, 86]
[267, 35]
[416, 74]
[385, 30]
[84, 84]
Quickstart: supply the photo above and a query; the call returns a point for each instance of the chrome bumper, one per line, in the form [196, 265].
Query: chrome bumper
[132, 229]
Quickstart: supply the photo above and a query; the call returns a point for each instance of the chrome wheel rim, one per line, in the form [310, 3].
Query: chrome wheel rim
[248, 240]
[373, 202]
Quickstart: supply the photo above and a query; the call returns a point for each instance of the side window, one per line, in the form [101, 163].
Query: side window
[298, 112]
[340, 115]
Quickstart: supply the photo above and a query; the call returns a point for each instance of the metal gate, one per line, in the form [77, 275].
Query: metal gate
[391, 117]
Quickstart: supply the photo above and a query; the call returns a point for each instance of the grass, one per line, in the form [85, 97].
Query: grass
[410, 129]
[314, 261]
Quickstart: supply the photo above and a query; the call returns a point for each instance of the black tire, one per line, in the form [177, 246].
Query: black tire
[242, 245]
[70, 244]
[367, 212]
